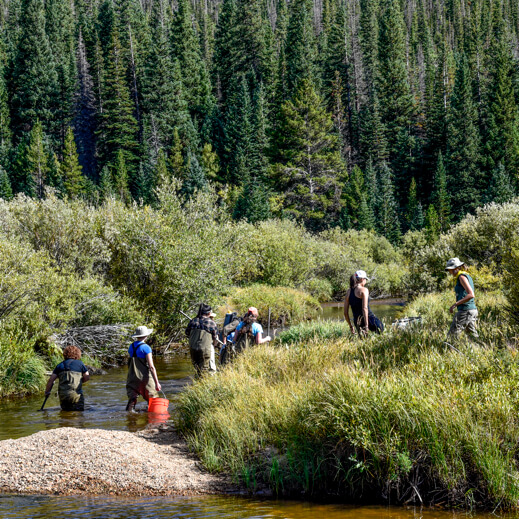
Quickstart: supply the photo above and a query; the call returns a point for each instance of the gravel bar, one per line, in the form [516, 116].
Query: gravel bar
[100, 462]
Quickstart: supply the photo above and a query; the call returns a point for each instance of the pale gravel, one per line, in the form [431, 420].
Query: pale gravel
[99, 462]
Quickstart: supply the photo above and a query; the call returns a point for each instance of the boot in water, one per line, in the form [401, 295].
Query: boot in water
[131, 405]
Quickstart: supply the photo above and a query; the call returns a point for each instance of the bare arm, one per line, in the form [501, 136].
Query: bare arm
[50, 383]
[365, 299]
[347, 311]
[470, 294]
[153, 371]
[260, 339]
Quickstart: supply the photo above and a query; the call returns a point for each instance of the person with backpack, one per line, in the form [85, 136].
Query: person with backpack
[203, 334]
[228, 334]
[72, 374]
[140, 367]
[358, 299]
[249, 331]
[466, 315]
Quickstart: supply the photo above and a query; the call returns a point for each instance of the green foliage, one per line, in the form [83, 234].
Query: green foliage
[332, 416]
[287, 305]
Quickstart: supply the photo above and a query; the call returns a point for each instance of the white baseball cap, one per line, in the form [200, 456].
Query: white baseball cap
[361, 274]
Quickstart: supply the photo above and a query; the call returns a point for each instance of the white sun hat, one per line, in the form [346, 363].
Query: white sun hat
[142, 331]
[454, 263]
[361, 274]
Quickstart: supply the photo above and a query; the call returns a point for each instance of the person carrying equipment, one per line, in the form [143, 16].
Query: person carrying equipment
[203, 337]
[465, 318]
[358, 298]
[249, 332]
[228, 335]
[140, 365]
[72, 373]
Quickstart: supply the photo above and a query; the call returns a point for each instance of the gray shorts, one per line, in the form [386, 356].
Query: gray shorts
[464, 321]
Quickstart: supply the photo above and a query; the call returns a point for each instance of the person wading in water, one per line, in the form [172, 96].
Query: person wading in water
[249, 332]
[72, 373]
[140, 365]
[203, 332]
[358, 298]
[465, 318]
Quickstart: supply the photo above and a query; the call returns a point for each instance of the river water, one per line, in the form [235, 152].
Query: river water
[105, 399]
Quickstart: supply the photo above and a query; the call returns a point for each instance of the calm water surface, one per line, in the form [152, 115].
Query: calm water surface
[105, 397]
[207, 507]
[386, 312]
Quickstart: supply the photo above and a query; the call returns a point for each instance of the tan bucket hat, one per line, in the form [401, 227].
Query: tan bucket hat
[454, 263]
[142, 331]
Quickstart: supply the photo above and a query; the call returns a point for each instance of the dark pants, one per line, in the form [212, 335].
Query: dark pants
[374, 323]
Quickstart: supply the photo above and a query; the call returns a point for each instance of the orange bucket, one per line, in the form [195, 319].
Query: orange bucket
[158, 405]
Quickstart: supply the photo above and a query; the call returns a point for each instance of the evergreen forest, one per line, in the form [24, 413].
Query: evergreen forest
[385, 115]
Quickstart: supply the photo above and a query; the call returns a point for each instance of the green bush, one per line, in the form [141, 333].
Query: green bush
[287, 305]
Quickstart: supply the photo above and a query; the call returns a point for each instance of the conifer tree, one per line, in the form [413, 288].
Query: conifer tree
[310, 170]
[366, 214]
[253, 204]
[500, 189]
[396, 101]
[354, 190]
[5, 118]
[106, 185]
[120, 179]
[71, 171]
[34, 87]
[210, 163]
[195, 177]
[118, 128]
[463, 145]
[414, 214]
[369, 30]
[301, 47]
[432, 225]
[386, 206]
[37, 160]
[176, 159]
[441, 196]
[6, 192]
[55, 178]
[370, 187]
[260, 134]
[373, 142]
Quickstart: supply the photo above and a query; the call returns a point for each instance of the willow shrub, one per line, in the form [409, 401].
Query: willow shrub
[287, 305]
[399, 417]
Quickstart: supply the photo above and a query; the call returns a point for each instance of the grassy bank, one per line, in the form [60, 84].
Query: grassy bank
[398, 418]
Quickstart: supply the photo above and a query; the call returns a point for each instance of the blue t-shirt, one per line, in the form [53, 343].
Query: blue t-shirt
[70, 365]
[256, 328]
[141, 349]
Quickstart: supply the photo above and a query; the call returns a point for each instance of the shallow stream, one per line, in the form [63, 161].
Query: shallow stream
[105, 399]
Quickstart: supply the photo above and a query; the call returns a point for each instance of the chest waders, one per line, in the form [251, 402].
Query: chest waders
[201, 351]
[70, 390]
[138, 381]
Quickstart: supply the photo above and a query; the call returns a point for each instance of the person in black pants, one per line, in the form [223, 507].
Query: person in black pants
[358, 298]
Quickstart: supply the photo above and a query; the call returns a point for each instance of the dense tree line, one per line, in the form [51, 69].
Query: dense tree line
[370, 114]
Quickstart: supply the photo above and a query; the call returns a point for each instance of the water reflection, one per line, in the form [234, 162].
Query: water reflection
[105, 403]
[15, 507]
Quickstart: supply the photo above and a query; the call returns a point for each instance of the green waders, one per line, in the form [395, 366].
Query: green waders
[139, 381]
[202, 351]
[70, 391]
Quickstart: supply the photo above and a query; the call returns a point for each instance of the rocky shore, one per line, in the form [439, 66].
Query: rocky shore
[95, 461]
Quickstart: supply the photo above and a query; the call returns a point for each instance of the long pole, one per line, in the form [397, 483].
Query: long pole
[44, 402]
[268, 326]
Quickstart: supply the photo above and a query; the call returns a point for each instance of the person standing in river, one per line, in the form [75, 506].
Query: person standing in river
[140, 366]
[357, 298]
[72, 374]
[464, 319]
[203, 333]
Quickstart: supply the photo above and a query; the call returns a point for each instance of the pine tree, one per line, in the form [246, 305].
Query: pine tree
[373, 142]
[195, 177]
[386, 206]
[370, 188]
[71, 171]
[210, 162]
[396, 101]
[5, 118]
[120, 179]
[310, 170]
[6, 192]
[260, 134]
[432, 225]
[500, 189]
[37, 159]
[34, 87]
[463, 160]
[414, 214]
[176, 159]
[301, 48]
[118, 128]
[366, 214]
[441, 196]
[253, 204]
[106, 185]
[354, 191]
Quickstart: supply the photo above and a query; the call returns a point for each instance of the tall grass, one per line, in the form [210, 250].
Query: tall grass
[400, 417]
